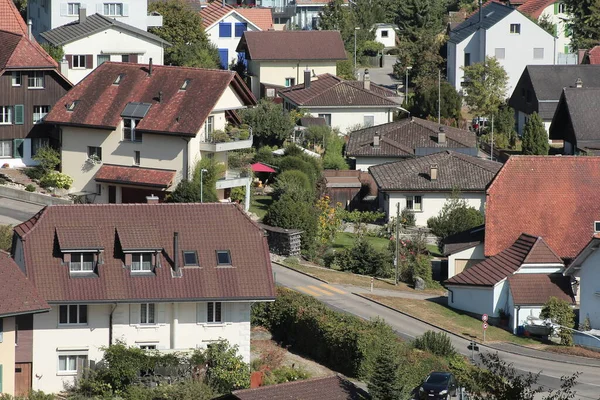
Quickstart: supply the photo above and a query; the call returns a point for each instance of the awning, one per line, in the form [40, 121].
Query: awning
[160, 178]
[260, 167]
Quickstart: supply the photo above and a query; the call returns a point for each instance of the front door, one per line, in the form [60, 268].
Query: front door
[112, 194]
[22, 379]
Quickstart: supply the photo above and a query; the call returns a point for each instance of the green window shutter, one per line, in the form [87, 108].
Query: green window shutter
[19, 114]
[555, 8]
[555, 29]
[18, 148]
[1, 338]
[0, 378]
[566, 50]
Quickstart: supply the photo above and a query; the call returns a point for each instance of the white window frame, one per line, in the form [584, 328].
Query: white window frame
[326, 117]
[39, 112]
[6, 144]
[562, 8]
[112, 9]
[37, 78]
[412, 199]
[101, 59]
[515, 29]
[372, 116]
[386, 33]
[145, 314]
[16, 78]
[6, 115]
[79, 61]
[147, 346]
[213, 315]
[68, 357]
[68, 306]
[289, 82]
[133, 122]
[73, 9]
[209, 126]
[143, 266]
[81, 262]
[137, 157]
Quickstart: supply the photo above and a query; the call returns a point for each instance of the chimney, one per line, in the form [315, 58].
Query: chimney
[367, 80]
[152, 199]
[442, 135]
[307, 78]
[64, 66]
[82, 14]
[579, 83]
[376, 141]
[433, 172]
[176, 252]
[480, 11]
[150, 67]
[29, 29]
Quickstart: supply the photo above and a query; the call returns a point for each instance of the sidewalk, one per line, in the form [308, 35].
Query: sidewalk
[544, 355]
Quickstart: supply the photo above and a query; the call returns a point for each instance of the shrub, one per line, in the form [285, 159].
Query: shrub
[185, 192]
[6, 236]
[363, 259]
[560, 312]
[295, 183]
[418, 266]
[437, 343]
[285, 374]
[383, 383]
[310, 167]
[48, 157]
[289, 213]
[265, 155]
[226, 370]
[456, 216]
[57, 180]
[30, 188]
[34, 172]
[238, 194]
[407, 217]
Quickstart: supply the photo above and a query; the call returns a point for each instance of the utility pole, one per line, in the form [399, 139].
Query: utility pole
[397, 240]
[492, 140]
[439, 95]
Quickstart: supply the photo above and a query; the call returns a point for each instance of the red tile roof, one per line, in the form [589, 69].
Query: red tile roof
[535, 8]
[18, 295]
[593, 55]
[161, 178]
[536, 289]
[549, 196]
[293, 45]
[261, 17]
[204, 228]
[527, 249]
[10, 18]
[180, 112]
[19, 52]
[215, 11]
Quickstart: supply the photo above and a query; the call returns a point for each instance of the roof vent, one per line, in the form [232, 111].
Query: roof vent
[579, 83]
[185, 84]
[376, 139]
[433, 172]
[442, 135]
[367, 80]
[596, 226]
[118, 79]
[71, 107]
[150, 67]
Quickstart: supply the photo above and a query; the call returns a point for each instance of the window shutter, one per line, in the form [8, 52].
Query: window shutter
[128, 258]
[133, 58]
[126, 10]
[69, 58]
[89, 61]
[64, 9]
[67, 257]
[555, 27]
[555, 8]
[162, 318]
[134, 314]
[226, 311]
[18, 148]
[1, 378]
[100, 8]
[201, 312]
[1, 340]
[19, 114]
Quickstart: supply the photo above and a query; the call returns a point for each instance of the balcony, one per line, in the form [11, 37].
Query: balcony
[230, 139]
[284, 12]
[154, 19]
[233, 178]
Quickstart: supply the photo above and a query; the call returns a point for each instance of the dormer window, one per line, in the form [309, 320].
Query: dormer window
[141, 262]
[185, 84]
[129, 132]
[81, 262]
[132, 115]
[223, 257]
[118, 79]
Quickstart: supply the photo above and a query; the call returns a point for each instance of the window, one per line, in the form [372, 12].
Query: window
[73, 314]
[102, 58]
[327, 118]
[240, 28]
[6, 148]
[385, 34]
[213, 311]
[79, 61]
[71, 363]
[118, 79]
[82, 262]
[141, 262]
[515, 28]
[562, 8]
[185, 84]
[369, 120]
[467, 59]
[125, 58]
[290, 82]
[538, 53]
[35, 80]
[500, 53]
[148, 346]
[190, 258]
[39, 112]
[16, 78]
[95, 153]
[6, 115]
[98, 189]
[223, 257]
[73, 9]
[129, 132]
[209, 126]
[136, 158]
[414, 203]
[113, 9]
[224, 29]
[147, 313]
[72, 106]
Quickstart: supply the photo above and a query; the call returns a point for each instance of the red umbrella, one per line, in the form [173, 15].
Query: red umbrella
[260, 167]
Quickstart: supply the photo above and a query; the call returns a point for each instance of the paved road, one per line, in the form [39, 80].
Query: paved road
[14, 212]
[341, 298]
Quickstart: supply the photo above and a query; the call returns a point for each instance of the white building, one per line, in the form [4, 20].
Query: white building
[95, 39]
[177, 287]
[225, 25]
[504, 33]
[464, 249]
[555, 12]
[49, 14]
[385, 34]
[423, 185]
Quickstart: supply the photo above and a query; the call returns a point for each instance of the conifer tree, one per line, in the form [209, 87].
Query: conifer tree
[384, 383]
[535, 138]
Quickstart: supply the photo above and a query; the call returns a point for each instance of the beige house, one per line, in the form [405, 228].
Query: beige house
[278, 59]
[130, 131]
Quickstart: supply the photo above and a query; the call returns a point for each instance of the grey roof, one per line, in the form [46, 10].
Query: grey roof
[93, 24]
[547, 108]
[402, 138]
[463, 240]
[490, 15]
[455, 170]
[548, 81]
[582, 105]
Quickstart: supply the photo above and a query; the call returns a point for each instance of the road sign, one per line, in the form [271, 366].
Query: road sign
[485, 325]
[484, 317]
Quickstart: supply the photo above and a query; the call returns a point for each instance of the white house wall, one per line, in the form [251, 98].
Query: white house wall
[390, 40]
[363, 163]
[478, 300]
[589, 290]
[472, 253]
[275, 72]
[351, 119]
[113, 42]
[7, 356]
[456, 60]
[229, 43]
[563, 42]
[26, 160]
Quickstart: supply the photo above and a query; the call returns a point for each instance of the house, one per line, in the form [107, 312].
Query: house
[345, 105]
[50, 14]
[498, 31]
[385, 34]
[554, 12]
[224, 25]
[30, 84]
[540, 87]
[424, 184]
[591, 57]
[19, 301]
[350, 188]
[574, 123]
[517, 281]
[463, 249]
[132, 130]
[170, 277]
[328, 388]
[92, 40]
[406, 138]
[278, 59]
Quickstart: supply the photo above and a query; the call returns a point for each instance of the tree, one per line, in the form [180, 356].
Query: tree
[362, 258]
[188, 191]
[6, 236]
[560, 312]
[334, 152]
[289, 213]
[345, 70]
[182, 27]
[504, 123]
[384, 383]
[583, 23]
[486, 89]
[56, 52]
[535, 138]
[426, 101]
[301, 163]
[545, 22]
[271, 124]
[456, 216]
[294, 183]
[226, 370]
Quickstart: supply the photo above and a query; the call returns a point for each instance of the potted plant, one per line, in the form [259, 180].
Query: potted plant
[219, 136]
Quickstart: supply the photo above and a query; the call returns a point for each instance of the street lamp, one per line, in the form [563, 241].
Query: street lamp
[202, 171]
[355, 30]
[406, 85]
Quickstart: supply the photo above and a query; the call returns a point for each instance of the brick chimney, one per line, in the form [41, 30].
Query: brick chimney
[376, 140]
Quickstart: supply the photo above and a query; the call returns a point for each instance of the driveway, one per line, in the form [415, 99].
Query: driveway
[341, 298]
[384, 76]
[13, 212]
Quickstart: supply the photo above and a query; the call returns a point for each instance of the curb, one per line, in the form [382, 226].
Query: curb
[300, 272]
[479, 343]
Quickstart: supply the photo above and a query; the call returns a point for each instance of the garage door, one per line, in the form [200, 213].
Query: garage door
[460, 265]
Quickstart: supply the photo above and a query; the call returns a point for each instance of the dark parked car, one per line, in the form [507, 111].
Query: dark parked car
[438, 386]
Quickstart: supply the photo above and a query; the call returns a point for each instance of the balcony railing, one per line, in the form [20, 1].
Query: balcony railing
[232, 139]
[233, 178]
[284, 12]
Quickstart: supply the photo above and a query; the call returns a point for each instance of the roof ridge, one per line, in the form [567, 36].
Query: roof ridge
[362, 88]
[155, 66]
[36, 218]
[471, 160]
[540, 241]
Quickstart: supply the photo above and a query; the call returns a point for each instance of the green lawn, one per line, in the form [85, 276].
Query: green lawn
[345, 240]
[434, 250]
[260, 204]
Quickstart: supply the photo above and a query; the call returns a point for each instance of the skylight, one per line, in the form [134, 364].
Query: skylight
[190, 258]
[185, 84]
[118, 79]
[223, 257]
[71, 107]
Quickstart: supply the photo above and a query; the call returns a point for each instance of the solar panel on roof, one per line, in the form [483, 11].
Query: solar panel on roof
[136, 110]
